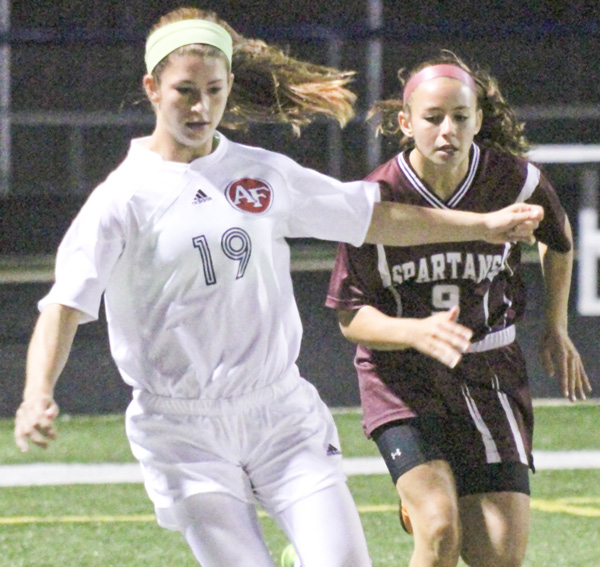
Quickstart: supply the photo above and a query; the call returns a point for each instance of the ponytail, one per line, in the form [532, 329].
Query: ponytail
[270, 86]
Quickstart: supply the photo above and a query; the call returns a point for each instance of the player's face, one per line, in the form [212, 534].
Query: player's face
[189, 102]
[443, 120]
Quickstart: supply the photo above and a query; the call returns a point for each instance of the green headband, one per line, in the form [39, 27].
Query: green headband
[168, 38]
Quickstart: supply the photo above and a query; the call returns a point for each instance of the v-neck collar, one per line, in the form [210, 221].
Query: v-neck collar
[419, 186]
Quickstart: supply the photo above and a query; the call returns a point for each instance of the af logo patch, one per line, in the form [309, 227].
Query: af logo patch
[250, 195]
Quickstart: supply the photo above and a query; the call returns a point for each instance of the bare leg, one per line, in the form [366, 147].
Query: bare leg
[495, 529]
[429, 494]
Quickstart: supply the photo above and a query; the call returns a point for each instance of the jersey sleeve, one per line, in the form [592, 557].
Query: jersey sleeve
[86, 257]
[328, 209]
[354, 281]
[552, 228]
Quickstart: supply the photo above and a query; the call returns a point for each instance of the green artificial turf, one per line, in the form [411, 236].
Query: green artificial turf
[113, 524]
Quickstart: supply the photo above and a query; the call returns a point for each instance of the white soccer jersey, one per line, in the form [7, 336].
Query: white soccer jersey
[195, 268]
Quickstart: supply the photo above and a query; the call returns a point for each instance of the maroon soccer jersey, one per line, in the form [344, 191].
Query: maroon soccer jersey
[417, 281]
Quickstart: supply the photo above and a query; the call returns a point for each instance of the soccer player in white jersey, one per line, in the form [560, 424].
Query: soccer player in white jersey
[456, 430]
[186, 241]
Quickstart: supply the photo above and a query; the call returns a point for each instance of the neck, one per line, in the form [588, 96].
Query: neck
[443, 179]
[171, 150]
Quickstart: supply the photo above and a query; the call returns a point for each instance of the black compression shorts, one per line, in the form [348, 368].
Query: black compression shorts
[408, 443]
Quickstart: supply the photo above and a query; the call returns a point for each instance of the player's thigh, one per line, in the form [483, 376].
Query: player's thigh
[414, 454]
[495, 528]
[428, 492]
[325, 529]
[223, 530]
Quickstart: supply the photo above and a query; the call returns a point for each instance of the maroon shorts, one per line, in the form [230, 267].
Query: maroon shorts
[485, 439]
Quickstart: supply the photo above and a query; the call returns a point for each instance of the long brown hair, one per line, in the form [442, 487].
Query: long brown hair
[500, 128]
[270, 86]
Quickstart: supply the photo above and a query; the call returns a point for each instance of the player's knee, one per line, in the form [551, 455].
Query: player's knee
[476, 556]
[442, 539]
[437, 533]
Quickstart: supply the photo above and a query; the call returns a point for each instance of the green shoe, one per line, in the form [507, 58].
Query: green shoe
[289, 557]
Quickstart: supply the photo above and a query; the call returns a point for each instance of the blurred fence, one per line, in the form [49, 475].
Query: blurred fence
[70, 94]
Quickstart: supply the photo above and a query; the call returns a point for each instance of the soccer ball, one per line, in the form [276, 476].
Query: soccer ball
[289, 557]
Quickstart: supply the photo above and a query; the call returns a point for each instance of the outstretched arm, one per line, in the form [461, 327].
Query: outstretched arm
[396, 224]
[559, 355]
[438, 336]
[47, 355]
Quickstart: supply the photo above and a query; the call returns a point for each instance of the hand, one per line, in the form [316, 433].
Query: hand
[441, 337]
[515, 223]
[559, 356]
[35, 421]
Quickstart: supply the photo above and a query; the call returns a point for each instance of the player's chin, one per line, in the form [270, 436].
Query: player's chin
[195, 140]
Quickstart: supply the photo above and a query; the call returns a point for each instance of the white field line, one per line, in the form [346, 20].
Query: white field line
[42, 474]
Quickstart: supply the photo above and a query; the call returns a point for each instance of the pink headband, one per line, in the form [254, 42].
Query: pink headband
[435, 71]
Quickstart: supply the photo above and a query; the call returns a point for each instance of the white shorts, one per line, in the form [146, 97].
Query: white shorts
[274, 447]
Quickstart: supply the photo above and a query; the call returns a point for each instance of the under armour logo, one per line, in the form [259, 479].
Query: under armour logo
[395, 454]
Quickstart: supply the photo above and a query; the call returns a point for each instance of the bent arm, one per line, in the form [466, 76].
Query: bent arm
[396, 224]
[559, 355]
[438, 336]
[47, 355]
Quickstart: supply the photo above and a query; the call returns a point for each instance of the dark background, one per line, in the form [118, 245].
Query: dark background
[75, 56]
[73, 63]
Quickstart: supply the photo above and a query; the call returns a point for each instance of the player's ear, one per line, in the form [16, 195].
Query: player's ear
[478, 120]
[152, 88]
[404, 123]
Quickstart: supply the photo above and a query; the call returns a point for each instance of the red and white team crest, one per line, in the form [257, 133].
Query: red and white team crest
[250, 195]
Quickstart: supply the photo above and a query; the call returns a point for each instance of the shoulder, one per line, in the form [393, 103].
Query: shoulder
[504, 176]
[506, 173]
[501, 164]
[281, 170]
[110, 199]
[119, 185]
[267, 158]
[387, 172]
[396, 179]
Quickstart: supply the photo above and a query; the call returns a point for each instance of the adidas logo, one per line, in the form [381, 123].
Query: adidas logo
[331, 450]
[201, 197]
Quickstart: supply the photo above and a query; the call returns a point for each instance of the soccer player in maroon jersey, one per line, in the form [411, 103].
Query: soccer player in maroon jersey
[455, 427]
